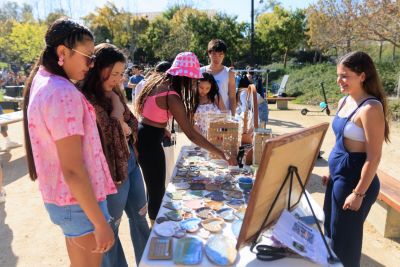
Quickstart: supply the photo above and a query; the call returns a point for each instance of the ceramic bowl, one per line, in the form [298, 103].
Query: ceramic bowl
[245, 183]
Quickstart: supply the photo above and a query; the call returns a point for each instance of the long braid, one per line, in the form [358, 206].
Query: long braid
[154, 80]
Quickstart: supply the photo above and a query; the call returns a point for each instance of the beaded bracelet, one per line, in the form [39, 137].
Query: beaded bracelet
[358, 194]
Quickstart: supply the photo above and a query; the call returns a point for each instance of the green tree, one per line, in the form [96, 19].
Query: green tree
[25, 41]
[281, 30]
[156, 38]
[53, 16]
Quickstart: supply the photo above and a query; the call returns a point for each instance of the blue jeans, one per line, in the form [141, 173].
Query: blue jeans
[131, 197]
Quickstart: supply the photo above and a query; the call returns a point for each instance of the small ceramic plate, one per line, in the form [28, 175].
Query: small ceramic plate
[173, 205]
[161, 219]
[235, 203]
[204, 213]
[213, 225]
[166, 229]
[176, 195]
[228, 186]
[173, 215]
[236, 194]
[197, 186]
[193, 204]
[190, 225]
[215, 205]
[226, 214]
[221, 250]
[182, 186]
[188, 251]
[213, 187]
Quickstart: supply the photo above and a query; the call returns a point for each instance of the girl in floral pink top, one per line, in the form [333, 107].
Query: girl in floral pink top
[63, 145]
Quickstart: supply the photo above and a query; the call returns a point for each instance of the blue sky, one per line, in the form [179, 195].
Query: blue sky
[79, 8]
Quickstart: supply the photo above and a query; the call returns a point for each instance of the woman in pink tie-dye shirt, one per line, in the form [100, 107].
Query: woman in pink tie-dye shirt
[63, 145]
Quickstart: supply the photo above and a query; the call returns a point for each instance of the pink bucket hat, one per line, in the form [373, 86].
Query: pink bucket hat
[186, 64]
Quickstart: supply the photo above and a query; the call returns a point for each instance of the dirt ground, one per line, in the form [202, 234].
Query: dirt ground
[28, 238]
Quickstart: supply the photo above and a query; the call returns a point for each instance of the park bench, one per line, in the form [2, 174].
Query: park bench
[279, 98]
[281, 101]
[385, 216]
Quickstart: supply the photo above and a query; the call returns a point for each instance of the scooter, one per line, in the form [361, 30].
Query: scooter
[323, 105]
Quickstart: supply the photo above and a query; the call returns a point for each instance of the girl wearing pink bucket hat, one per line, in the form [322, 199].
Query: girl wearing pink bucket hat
[167, 95]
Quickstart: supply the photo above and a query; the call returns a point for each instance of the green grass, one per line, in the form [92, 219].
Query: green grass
[304, 82]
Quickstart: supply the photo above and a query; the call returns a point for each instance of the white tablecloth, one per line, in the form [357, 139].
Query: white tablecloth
[245, 256]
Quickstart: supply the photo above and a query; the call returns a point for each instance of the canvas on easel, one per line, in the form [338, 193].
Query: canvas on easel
[299, 149]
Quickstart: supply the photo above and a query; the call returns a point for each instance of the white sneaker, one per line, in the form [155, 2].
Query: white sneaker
[2, 196]
[11, 145]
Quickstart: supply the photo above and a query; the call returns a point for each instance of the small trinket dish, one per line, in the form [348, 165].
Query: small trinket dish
[161, 219]
[221, 250]
[226, 213]
[190, 225]
[173, 215]
[173, 205]
[197, 186]
[188, 251]
[213, 187]
[182, 186]
[213, 225]
[215, 205]
[204, 213]
[228, 186]
[235, 203]
[166, 229]
[193, 204]
[175, 195]
[236, 194]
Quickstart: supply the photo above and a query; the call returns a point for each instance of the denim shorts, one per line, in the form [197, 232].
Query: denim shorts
[72, 219]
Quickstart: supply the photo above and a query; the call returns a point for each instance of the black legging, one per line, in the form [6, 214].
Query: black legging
[152, 162]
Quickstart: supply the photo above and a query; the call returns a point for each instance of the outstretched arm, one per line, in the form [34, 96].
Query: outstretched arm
[177, 109]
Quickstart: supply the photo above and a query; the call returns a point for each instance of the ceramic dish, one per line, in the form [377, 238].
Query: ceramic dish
[190, 225]
[204, 213]
[215, 205]
[221, 250]
[188, 251]
[213, 225]
[166, 229]
[226, 213]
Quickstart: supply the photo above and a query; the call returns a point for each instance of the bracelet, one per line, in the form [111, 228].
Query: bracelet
[358, 194]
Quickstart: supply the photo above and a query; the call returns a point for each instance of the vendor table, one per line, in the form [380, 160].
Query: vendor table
[245, 256]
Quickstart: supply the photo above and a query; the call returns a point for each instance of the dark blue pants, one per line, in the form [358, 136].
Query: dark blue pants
[345, 227]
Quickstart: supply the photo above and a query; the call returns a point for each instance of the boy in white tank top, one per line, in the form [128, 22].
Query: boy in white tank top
[225, 78]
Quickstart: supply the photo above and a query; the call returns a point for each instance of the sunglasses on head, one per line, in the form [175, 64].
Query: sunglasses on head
[90, 59]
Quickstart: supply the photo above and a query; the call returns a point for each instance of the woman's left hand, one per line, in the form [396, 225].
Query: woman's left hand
[352, 202]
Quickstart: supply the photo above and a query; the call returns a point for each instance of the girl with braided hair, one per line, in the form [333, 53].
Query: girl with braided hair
[63, 145]
[166, 95]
